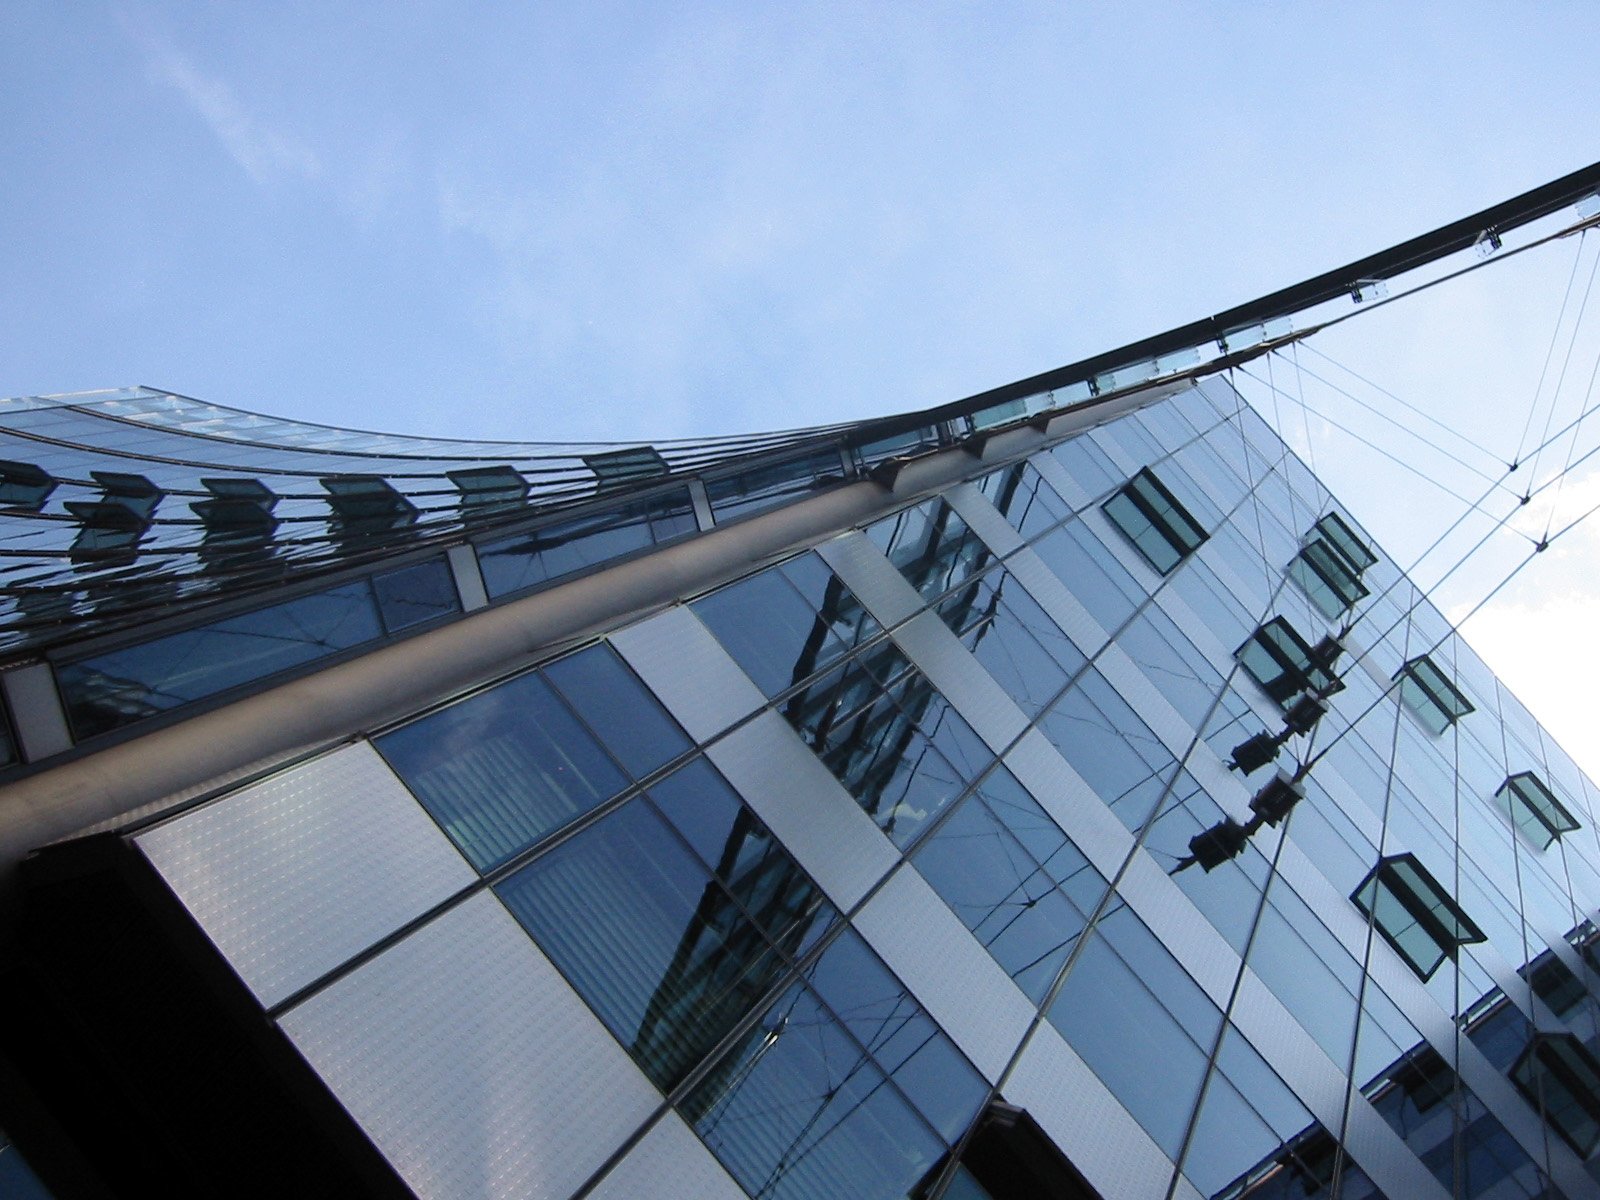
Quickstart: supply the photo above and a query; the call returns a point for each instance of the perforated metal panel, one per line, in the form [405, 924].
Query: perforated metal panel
[962, 988]
[686, 667]
[471, 1064]
[296, 874]
[868, 575]
[670, 1161]
[1080, 1114]
[816, 819]
[972, 691]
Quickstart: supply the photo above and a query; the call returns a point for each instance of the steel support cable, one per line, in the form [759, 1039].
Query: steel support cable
[1454, 626]
[1555, 335]
[1379, 413]
[1426, 416]
[1560, 478]
[1452, 631]
[1417, 471]
[1255, 497]
[1566, 360]
[1305, 421]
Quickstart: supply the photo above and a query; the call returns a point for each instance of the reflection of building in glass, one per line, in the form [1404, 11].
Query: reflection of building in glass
[1056, 794]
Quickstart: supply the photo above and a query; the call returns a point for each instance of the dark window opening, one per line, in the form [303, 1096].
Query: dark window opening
[1152, 519]
[1424, 689]
[1009, 1157]
[1534, 809]
[1562, 1080]
[1285, 664]
[1327, 578]
[1414, 913]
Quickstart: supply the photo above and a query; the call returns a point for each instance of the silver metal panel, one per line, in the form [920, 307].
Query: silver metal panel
[669, 1161]
[701, 504]
[1056, 599]
[1293, 1053]
[1058, 477]
[973, 507]
[463, 563]
[1173, 918]
[686, 667]
[960, 985]
[1081, 1116]
[803, 804]
[35, 705]
[1386, 1159]
[471, 1064]
[971, 690]
[1071, 802]
[873, 579]
[1134, 686]
[296, 874]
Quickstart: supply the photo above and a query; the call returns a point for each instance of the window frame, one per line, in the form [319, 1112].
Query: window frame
[1156, 504]
[1411, 671]
[1531, 810]
[1388, 876]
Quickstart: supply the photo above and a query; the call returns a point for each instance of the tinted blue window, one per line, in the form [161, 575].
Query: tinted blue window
[1013, 905]
[111, 690]
[1025, 499]
[501, 769]
[1007, 631]
[527, 560]
[615, 705]
[660, 951]
[415, 594]
[757, 490]
[932, 546]
[873, 741]
[745, 856]
[1109, 746]
[1150, 1058]
[786, 622]
[797, 1111]
[1096, 578]
[902, 1039]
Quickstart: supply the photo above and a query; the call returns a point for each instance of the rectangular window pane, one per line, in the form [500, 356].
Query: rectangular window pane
[115, 689]
[527, 560]
[501, 769]
[415, 594]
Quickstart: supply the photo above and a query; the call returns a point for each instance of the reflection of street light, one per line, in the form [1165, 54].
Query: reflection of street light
[1212, 847]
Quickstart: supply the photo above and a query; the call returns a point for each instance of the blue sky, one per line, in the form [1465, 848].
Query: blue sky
[622, 220]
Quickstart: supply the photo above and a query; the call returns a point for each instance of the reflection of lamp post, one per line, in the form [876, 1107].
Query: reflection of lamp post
[1212, 847]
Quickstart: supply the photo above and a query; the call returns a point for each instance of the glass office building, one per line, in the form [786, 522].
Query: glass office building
[1056, 793]
[852, 815]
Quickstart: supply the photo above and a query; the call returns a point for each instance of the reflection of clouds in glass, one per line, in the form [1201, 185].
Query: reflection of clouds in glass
[1545, 651]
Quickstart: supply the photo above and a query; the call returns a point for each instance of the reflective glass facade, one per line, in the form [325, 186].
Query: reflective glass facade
[961, 844]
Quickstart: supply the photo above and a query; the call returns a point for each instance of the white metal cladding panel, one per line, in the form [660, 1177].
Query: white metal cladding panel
[960, 985]
[1173, 918]
[803, 804]
[973, 507]
[689, 671]
[1071, 802]
[1134, 686]
[1386, 1159]
[971, 690]
[871, 578]
[293, 875]
[669, 1163]
[1057, 599]
[1058, 477]
[471, 1064]
[1293, 1053]
[1086, 1121]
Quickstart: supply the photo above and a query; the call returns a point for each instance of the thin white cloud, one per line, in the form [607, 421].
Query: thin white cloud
[262, 152]
[1545, 651]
